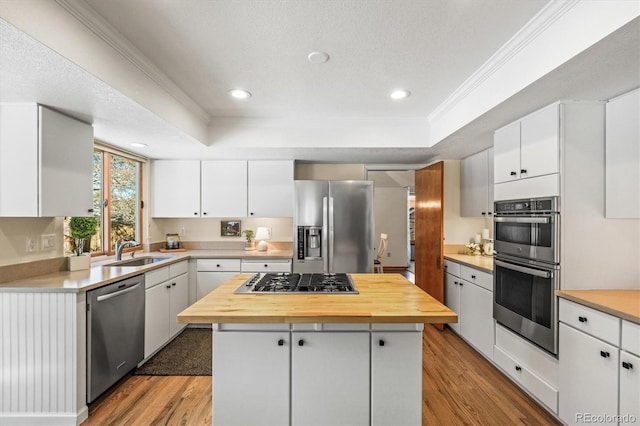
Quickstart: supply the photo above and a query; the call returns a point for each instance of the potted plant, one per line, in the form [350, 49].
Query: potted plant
[248, 235]
[81, 228]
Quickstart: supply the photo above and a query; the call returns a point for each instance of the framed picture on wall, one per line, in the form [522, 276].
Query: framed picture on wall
[230, 228]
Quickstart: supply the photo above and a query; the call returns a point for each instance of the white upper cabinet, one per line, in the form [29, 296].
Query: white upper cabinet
[271, 188]
[176, 188]
[46, 163]
[224, 189]
[623, 156]
[476, 189]
[529, 147]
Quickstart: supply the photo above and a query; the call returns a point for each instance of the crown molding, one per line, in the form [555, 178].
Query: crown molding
[553, 11]
[86, 15]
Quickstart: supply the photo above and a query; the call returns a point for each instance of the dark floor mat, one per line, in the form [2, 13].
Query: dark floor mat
[189, 354]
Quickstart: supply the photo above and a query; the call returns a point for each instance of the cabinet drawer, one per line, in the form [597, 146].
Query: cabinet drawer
[631, 337]
[591, 321]
[271, 265]
[232, 265]
[537, 387]
[452, 268]
[179, 268]
[477, 277]
[155, 277]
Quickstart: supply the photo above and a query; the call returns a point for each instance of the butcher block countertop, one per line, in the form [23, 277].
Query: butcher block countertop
[484, 263]
[621, 303]
[382, 298]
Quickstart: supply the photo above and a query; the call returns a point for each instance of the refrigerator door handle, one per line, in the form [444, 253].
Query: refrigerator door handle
[325, 234]
[331, 236]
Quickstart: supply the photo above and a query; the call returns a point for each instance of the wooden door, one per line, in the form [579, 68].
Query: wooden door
[429, 229]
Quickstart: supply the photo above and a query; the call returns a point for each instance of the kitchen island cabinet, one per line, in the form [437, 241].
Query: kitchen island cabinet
[359, 354]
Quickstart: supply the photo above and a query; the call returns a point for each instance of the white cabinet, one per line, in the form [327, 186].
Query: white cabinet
[251, 367]
[224, 189]
[470, 295]
[270, 265]
[176, 188]
[629, 384]
[623, 156]
[396, 378]
[211, 273]
[167, 294]
[46, 163]
[332, 367]
[529, 147]
[270, 188]
[476, 185]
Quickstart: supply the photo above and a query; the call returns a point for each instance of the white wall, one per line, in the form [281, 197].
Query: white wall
[13, 239]
[392, 218]
[324, 171]
[457, 229]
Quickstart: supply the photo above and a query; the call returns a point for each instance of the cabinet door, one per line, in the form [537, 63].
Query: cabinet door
[474, 185]
[270, 188]
[176, 188]
[224, 188]
[396, 378]
[251, 371]
[629, 385]
[208, 281]
[476, 317]
[623, 156]
[331, 368]
[179, 302]
[66, 165]
[506, 153]
[540, 143]
[588, 375]
[452, 298]
[156, 318]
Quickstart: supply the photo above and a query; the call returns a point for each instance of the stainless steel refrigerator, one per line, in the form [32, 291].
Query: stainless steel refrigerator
[333, 226]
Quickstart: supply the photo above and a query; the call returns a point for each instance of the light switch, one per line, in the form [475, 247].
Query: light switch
[48, 242]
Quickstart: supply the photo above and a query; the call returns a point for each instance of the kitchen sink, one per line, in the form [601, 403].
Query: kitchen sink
[139, 261]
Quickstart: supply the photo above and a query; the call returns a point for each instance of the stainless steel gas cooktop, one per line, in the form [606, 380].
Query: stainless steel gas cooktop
[290, 283]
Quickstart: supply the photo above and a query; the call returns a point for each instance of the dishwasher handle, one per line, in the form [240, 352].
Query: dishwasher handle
[116, 293]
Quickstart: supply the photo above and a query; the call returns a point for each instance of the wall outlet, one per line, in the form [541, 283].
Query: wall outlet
[32, 244]
[182, 231]
[48, 242]
[388, 254]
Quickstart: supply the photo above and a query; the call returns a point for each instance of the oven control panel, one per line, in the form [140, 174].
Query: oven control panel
[537, 205]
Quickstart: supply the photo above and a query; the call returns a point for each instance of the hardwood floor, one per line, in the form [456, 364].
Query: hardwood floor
[459, 387]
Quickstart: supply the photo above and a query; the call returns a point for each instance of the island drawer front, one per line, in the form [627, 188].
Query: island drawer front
[477, 277]
[452, 267]
[631, 337]
[397, 327]
[544, 392]
[227, 265]
[155, 277]
[591, 321]
[179, 268]
[331, 327]
[270, 265]
[251, 327]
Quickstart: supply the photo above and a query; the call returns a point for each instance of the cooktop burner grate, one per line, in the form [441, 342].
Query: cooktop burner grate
[294, 283]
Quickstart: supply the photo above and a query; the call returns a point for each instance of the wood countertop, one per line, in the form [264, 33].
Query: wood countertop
[382, 298]
[621, 303]
[484, 263]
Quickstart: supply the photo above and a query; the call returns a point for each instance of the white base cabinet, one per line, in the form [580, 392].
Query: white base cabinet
[211, 273]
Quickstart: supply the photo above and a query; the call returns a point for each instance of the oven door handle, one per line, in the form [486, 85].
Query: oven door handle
[523, 269]
[522, 219]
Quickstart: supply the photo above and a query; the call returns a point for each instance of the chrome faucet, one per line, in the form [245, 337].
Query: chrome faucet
[120, 245]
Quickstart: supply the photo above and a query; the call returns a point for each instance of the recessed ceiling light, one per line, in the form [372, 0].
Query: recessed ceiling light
[138, 144]
[400, 94]
[239, 94]
[318, 57]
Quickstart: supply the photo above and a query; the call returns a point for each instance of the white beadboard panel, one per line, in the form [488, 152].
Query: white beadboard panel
[39, 355]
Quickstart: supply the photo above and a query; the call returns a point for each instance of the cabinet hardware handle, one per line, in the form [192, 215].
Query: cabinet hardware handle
[489, 213]
[90, 210]
[300, 342]
[168, 286]
[582, 319]
[445, 266]
[483, 213]
[455, 282]
[266, 266]
[381, 342]
[513, 173]
[281, 342]
[627, 365]
[523, 170]
[173, 284]
[604, 354]
[473, 276]
[217, 265]
[251, 214]
[195, 213]
[518, 368]
[204, 213]
[460, 283]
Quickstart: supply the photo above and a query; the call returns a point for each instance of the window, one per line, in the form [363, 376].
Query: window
[117, 187]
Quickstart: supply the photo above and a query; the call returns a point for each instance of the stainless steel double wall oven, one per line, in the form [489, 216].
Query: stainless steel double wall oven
[527, 268]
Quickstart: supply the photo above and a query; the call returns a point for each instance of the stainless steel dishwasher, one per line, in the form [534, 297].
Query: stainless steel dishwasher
[115, 333]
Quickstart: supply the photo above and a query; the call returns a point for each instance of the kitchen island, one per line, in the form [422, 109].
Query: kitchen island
[319, 358]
